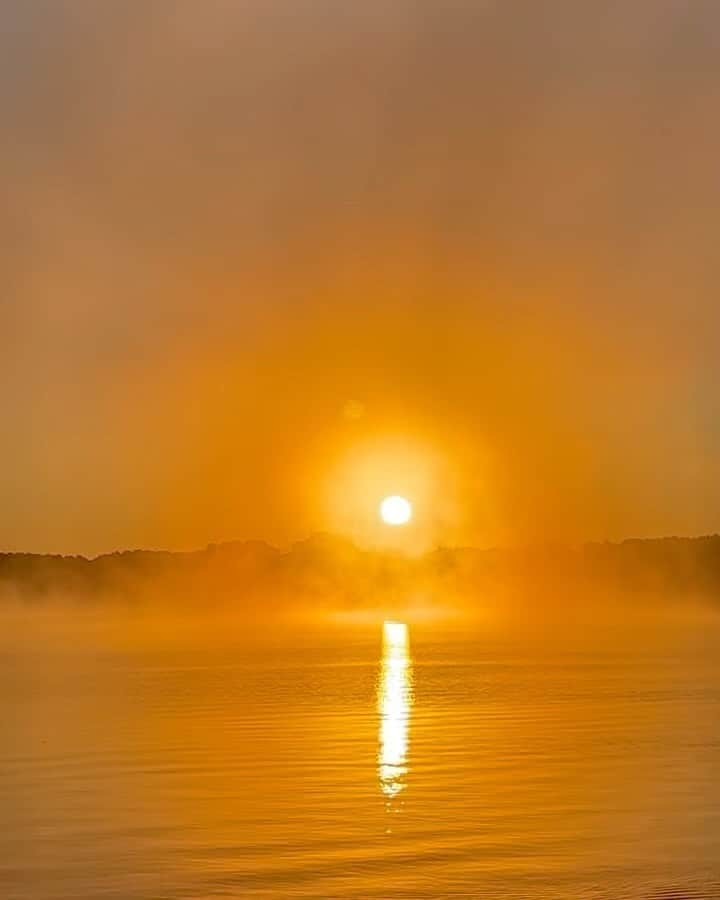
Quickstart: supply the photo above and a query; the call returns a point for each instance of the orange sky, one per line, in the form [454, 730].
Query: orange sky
[486, 230]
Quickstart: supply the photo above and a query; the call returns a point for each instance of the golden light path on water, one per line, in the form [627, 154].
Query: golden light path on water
[395, 698]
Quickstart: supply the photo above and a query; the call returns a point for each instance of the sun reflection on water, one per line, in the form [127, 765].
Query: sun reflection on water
[395, 700]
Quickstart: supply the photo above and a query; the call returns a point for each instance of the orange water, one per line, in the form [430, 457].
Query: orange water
[322, 768]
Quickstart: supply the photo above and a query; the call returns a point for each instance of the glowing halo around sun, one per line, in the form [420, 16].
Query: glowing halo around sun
[395, 510]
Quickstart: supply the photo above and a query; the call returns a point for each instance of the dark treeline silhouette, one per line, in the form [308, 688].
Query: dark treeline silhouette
[333, 571]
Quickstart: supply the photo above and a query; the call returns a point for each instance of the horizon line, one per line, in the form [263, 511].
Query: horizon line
[287, 549]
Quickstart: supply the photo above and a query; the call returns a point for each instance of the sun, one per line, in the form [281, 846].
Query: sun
[395, 510]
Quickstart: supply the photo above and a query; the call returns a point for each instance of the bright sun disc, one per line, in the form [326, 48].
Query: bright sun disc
[395, 510]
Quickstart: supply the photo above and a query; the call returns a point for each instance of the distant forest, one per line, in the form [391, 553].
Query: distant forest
[327, 568]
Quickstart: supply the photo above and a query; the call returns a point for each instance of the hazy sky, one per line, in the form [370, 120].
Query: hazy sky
[250, 249]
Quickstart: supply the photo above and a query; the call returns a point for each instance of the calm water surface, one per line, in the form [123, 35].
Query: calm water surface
[376, 767]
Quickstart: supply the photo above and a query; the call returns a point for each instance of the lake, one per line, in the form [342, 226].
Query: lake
[379, 762]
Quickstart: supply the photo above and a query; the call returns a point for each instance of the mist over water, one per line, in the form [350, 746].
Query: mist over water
[404, 314]
[365, 761]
